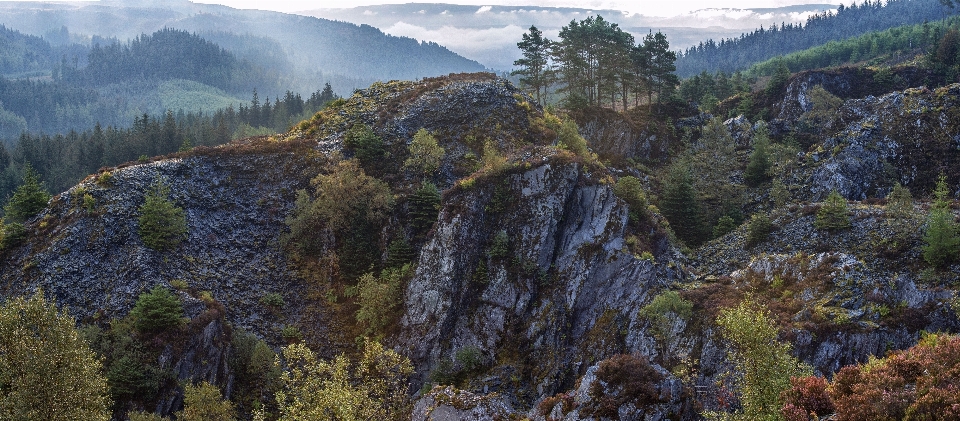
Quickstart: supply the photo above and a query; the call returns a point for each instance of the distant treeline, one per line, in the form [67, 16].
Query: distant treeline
[64, 159]
[932, 38]
[166, 54]
[733, 54]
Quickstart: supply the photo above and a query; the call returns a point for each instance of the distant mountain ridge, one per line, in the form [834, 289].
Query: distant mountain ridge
[489, 34]
[312, 45]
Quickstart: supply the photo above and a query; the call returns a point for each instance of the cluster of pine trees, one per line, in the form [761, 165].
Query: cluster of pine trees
[596, 63]
[730, 55]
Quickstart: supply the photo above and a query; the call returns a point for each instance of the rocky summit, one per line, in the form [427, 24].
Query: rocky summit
[536, 281]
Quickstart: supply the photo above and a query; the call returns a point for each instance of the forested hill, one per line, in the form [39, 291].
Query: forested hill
[165, 54]
[731, 55]
[312, 45]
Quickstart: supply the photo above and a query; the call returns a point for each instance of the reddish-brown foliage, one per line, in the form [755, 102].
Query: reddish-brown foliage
[806, 396]
[623, 379]
[921, 383]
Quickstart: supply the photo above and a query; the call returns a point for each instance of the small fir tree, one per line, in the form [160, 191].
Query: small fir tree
[367, 146]
[759, 164]
[942, 242]
[157, 311]
[681, 206]
[899, 202]
[163, 225]
[779, 193]
[424, 207]
[29, 199]
[832, 215]
[725, 225]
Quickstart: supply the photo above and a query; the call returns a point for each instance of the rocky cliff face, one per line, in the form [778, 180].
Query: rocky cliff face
[530, 281]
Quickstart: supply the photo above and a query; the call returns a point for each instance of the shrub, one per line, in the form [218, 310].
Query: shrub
[425, 153]
[205, 403]
[915, 384]
[630, 189]
[105, 179]
[379, 298]
[162, 224]
[833, 215]
[724, 226]
[622, 379]
[28, 199]
[568, 137]
[758, 229]
[157, 311]
[899, 202]
[469, 358]
[807, 395]
[658, 310]
[344, 197]
[291, 333]
[374, 387]
[765, 362]
[272, 299]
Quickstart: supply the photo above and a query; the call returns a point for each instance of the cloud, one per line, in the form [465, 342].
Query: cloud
[494, 47]
[369, 13]
[484, 9]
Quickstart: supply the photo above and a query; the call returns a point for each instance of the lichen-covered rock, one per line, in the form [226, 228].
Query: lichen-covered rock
[451, 404]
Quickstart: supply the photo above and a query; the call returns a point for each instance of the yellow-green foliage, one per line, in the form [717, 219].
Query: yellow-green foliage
[379, 298]
[568, 137]
[661, 310]
[425, 153]
[47, 370]
[764, 361]
[341, 196]
[630, 189]
[373, 388]
[204, 403]
[899, 202]
[492, 160]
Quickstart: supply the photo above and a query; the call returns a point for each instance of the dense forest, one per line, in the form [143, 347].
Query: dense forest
[730, 55]
[63, 159]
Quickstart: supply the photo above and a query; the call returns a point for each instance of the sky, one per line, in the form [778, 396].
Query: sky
[644, 7]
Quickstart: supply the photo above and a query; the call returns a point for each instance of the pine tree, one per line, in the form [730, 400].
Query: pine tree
[424, 207]
[681, 206]
[942, 242]
[759, 163]
[832, 215]
[29, 199]
[157, 311]
[534, 71]
[163, 225]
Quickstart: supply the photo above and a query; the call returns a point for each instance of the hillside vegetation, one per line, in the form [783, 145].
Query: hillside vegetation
[448, 248]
